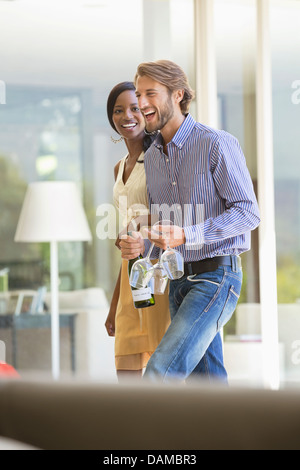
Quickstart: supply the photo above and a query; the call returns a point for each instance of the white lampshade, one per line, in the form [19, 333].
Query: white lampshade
[52, 211]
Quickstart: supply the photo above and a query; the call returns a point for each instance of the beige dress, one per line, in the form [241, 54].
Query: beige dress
[137, 331]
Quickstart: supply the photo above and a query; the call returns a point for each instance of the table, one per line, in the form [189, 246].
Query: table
[36, 321]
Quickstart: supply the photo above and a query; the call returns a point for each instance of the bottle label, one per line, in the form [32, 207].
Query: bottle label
[141, 294]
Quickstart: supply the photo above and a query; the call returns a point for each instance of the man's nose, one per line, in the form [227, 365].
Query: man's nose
[143, 102]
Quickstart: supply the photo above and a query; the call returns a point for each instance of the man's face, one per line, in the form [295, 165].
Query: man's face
[155, 102]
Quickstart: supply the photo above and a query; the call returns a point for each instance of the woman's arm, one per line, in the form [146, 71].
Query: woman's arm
[110, 320]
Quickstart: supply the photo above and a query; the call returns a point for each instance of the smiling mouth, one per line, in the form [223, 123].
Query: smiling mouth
[129, 126]
[149, 115]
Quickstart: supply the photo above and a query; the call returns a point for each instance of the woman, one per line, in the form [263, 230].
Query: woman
[137, 332]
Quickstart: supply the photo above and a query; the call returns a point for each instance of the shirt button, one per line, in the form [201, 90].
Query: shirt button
[174, 183]
[167, 160]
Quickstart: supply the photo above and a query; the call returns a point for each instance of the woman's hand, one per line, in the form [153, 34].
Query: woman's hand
[132, 245]
[110, 321]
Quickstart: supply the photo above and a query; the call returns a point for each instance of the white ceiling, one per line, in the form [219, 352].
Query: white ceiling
[65, 42]
[84, 42]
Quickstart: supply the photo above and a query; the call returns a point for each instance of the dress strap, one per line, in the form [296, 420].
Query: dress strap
[121, 168]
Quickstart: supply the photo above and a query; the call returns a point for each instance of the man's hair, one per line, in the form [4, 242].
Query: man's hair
[171, 75]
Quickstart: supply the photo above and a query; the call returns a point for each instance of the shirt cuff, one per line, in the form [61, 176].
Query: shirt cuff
[194, 236]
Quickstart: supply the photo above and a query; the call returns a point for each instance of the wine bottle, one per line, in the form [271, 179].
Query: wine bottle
[141, 297]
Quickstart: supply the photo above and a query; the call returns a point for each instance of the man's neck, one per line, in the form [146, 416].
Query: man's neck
[170, 129]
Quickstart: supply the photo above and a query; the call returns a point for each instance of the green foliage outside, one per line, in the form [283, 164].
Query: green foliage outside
[288, 279]
[12, 192]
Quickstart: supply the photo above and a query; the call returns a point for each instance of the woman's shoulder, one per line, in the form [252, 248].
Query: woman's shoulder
[117, 166]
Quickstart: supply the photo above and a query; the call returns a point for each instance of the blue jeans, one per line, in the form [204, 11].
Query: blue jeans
[200, 305]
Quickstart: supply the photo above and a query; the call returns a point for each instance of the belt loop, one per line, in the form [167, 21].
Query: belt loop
[234, 264]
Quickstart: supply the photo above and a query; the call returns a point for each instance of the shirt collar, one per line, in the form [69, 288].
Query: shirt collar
[182, 133]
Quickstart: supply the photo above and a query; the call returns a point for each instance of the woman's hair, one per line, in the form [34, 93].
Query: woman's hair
[111, 101]
[112, 98]
[171, 75]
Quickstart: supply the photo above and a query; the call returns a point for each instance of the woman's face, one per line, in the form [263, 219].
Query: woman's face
[127, 117]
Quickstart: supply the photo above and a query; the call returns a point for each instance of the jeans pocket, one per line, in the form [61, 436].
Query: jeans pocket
[229, 307]
[192, 279]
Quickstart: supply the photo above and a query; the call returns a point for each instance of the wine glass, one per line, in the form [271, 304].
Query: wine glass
[171, 259]
[141, 271]
[159, 276]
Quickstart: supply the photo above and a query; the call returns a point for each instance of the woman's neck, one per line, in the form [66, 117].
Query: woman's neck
[134, 148]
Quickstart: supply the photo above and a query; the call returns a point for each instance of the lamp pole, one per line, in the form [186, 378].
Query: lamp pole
[52, 212]
[54, 309]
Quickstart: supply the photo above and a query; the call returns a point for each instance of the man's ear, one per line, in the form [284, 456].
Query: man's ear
[178, 95]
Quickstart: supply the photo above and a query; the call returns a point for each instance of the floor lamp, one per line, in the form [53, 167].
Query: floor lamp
[52, 212]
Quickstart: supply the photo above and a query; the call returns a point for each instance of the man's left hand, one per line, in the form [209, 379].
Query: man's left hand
[170, 235]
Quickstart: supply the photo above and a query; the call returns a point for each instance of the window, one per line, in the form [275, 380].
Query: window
[285, 17]
[235, 36]
[67, 55]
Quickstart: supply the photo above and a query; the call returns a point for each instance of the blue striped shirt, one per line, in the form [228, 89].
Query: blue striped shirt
[205, 184]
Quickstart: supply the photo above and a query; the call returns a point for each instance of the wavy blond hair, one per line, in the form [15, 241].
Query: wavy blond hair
[171, 75]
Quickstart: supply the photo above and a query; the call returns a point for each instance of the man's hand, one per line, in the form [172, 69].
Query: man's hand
[169, 235]
[132, 245]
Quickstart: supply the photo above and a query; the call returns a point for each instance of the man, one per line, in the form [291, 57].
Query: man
[201, 174]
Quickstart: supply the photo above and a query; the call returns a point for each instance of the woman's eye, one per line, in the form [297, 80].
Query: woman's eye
[136, 109]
